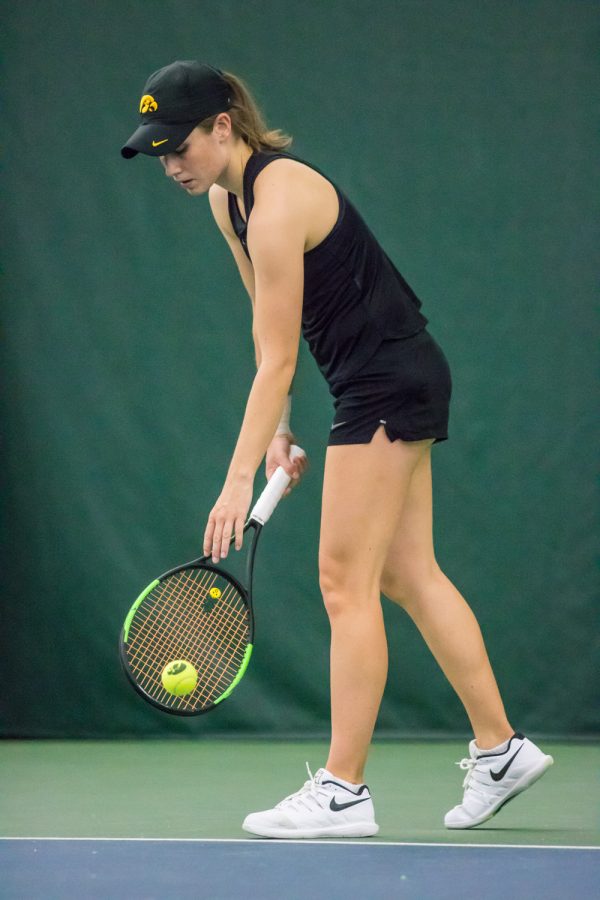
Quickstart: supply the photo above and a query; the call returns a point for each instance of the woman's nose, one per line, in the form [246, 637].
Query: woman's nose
[171, 166]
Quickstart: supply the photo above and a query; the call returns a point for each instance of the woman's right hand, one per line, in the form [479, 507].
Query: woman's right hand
[278, 454]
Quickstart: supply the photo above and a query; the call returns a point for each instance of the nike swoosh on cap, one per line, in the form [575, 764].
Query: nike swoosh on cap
[158, 143]
[337, 425]
[498, 776]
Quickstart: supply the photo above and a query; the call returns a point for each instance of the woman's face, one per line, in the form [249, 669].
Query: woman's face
[199, 161]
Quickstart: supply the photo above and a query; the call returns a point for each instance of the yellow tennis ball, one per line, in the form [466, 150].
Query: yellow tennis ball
[179, 677]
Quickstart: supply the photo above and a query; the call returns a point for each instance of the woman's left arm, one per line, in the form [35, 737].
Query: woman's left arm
[276, 240]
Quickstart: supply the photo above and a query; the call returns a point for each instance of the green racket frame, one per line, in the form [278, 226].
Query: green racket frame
[179, 706]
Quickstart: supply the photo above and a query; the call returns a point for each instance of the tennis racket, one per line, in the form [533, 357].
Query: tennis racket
[197, 621]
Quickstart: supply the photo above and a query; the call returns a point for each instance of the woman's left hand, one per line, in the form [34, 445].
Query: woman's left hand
[227, 517]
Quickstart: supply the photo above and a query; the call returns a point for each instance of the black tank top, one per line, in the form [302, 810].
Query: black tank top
[354, 297]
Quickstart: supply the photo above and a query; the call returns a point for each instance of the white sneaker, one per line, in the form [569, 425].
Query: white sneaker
[495, 778]
[324, 807]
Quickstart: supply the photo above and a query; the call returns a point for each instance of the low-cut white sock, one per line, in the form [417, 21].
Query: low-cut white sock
[501, 748]
[347, 784]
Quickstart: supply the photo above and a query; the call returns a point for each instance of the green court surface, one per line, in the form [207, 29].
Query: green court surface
[203, 789]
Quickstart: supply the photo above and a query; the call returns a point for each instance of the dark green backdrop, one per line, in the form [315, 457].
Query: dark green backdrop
[463, 132]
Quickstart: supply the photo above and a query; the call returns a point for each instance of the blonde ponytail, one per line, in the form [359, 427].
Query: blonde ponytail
[248, 121]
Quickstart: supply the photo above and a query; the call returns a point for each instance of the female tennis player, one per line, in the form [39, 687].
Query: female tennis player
[311, 265]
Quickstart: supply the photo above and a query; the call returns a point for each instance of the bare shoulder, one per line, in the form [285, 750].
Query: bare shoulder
[219, 204]
[289, 179]
[292, 193]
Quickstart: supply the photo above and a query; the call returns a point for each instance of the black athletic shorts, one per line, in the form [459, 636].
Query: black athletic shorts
[406, 386]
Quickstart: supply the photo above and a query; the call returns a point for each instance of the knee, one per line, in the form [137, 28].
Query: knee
[395, 588]
[405, 585]
[344, 585]
[332, 583]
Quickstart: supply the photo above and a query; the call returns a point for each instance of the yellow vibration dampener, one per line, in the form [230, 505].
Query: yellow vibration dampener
[215, 593]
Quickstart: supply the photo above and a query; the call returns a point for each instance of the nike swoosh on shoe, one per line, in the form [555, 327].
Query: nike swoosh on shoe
[498, 776]
[334, 806]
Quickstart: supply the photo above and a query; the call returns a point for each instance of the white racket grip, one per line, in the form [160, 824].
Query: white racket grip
[274, 491]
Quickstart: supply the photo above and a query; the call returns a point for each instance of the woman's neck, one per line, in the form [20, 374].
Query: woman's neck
[232, 178]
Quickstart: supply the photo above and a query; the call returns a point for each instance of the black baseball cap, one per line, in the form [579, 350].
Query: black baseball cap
[175, 99]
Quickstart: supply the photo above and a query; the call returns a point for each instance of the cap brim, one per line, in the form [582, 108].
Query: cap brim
[157, 138]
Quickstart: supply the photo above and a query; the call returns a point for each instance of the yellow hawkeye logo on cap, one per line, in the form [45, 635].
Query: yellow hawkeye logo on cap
[148, 104]
[158, 143]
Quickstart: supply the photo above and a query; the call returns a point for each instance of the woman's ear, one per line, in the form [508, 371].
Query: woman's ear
[222, 126]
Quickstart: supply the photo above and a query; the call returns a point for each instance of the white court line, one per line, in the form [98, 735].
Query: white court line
[326, 841]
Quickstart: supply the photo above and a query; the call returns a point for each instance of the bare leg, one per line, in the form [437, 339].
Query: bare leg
[412, 578]
[363, 494]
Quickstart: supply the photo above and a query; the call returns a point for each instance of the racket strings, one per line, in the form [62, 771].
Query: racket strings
[212, 640]
[217, 643]
[174, 622]
[148, 629]
[183, 621]
[158, 616]
[179, 642]
[157, 653]
[155, 639]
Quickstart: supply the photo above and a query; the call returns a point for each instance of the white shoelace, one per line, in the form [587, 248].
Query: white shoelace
[310, 790]
[468, 764]
[470, 783]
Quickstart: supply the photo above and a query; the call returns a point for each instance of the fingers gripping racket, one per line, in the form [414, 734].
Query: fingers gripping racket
[188, 638]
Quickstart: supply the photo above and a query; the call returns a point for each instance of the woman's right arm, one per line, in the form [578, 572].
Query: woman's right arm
[218, 203]
[282, 441]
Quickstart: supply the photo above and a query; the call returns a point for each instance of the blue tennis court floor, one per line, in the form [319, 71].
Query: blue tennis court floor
[145, 869]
